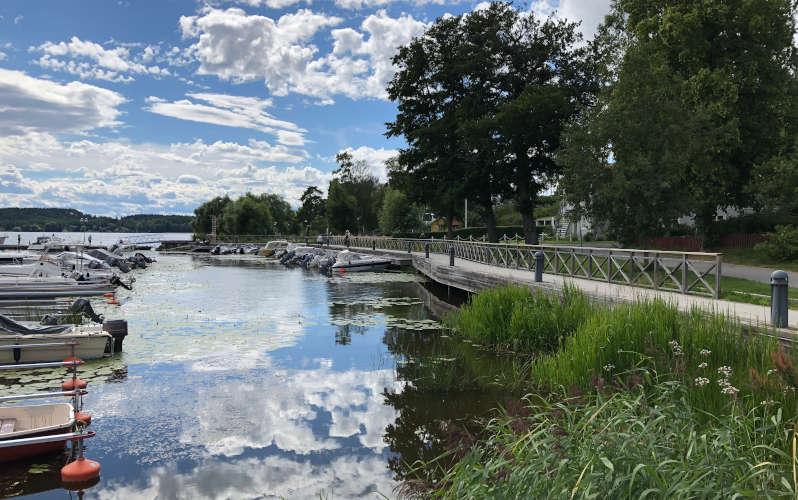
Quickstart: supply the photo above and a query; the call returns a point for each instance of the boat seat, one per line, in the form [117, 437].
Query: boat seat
[7, 425]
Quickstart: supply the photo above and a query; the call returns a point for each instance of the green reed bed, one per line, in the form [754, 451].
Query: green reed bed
[518, 319]
[642, 443]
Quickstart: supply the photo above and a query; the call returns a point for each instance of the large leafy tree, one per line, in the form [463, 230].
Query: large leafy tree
[398, 214]
[249, 214]
[312, 209]
[355, 204]
[697, 96]
[201, 224]
[483, 99]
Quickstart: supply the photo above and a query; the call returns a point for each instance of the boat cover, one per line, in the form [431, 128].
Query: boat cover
[8, 325]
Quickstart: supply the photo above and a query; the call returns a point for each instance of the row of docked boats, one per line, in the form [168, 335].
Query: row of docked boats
[47, 320]
[324, 259]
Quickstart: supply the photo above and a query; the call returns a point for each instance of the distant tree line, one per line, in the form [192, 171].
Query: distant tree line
[52, 220]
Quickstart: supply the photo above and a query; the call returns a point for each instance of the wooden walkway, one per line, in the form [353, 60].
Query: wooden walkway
[473, 277]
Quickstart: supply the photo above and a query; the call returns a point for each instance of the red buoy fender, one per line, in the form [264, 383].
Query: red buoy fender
[72, 383]
[80, 470]
[109, 294]
[113, 302]
[83, 417]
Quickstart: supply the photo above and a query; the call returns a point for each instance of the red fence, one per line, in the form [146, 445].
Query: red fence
[734, 241]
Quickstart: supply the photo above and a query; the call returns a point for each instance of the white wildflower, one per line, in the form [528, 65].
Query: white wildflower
[702, 365]
[729, 389]
[705, 352]
[677, 349]
[701, 381]
[771, 372]
[725, 371]
[609, 367]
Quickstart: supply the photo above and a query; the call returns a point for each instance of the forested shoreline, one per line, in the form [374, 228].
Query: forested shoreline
[67, 219]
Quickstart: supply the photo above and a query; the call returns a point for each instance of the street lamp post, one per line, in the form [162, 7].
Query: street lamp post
[83, 221]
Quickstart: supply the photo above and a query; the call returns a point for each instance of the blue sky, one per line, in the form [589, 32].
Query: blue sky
[121, 107]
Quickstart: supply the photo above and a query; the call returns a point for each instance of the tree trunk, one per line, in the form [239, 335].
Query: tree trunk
[530, 230]
[490, 222]
[703, 225]
[449, 219]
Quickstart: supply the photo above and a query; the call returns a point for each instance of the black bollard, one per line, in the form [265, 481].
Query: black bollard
[426, 250]
[779, 290]
[539, 266]
[451, 255]
[373, 245]
[409, 245]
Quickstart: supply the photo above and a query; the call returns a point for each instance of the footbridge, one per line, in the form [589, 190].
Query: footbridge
[686, 279]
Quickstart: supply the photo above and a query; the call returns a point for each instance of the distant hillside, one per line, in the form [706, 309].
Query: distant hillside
[67, 219]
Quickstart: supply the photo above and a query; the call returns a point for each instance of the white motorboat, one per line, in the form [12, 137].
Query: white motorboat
[3, 238]
[351, 262]
[272, 247]
[92, 342]
[48, 244]
[43, 268]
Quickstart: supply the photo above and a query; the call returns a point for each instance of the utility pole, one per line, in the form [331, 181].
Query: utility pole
[466, 213]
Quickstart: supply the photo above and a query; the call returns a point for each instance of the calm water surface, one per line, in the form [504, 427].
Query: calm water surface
[243, 379]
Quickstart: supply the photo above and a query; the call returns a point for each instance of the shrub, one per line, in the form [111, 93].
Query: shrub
[782, 244]
[517, 318]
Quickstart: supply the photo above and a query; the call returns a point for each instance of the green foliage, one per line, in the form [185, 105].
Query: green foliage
[341, 208]
[201, 224]
[482, 99]
[646, 443]
[398, 213]
[249, 214]
[697, 95]
[782, 244]
[517, 318]
[313, 210]
[60, 219]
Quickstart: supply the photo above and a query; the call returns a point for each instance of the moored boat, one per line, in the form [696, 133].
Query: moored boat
[351, 262]
[24, 343]
[21, 422]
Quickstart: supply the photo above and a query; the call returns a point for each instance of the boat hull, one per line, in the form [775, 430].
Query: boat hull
[36, 420]
[363, 267]
[91, 346]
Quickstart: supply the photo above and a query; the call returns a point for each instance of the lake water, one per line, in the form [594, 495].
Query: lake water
[243, 379]
[26, 238]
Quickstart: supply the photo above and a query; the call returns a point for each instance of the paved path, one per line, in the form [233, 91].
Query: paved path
[760, 274]
[474, 276]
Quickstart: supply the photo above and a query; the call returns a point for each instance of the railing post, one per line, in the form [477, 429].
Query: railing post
[539, 266]
[779, 306]
[426, 250]
[451, 255]
[609, 266]
[656, 270]
[718, 273]
[409, 244]
[373, 245]
[684, 273]
[590, 264]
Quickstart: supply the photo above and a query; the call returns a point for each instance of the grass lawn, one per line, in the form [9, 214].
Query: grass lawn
[750, 257]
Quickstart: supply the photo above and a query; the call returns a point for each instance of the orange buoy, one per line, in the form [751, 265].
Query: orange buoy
[80, 486]
[341, 271]
[83, 417]
[73, 383]
[73, 359]
[80, 470]
[113, 302]
[109, 294]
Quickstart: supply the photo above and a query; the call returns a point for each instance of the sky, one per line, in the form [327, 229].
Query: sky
[126, 107]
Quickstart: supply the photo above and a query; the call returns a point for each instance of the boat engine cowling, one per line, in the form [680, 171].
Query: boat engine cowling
[84, 306]
[118, 330]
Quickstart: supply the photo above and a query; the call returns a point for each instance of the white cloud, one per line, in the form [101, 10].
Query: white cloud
[236, 46]
[119, 178]
[2, 55]
[375, 158]
[18, 19]
[230, 111]
[91, 60]
[590, 12]
[29, 103]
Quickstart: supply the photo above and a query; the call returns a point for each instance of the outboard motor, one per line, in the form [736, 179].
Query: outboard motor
[84, 306]
[118, 330]
[118, 282]
[49, 320]
[141, 256]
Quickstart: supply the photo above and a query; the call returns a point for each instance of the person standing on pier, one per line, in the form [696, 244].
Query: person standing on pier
[346, 238]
